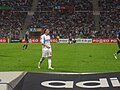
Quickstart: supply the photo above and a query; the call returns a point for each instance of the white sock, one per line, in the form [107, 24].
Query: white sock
[49, 62]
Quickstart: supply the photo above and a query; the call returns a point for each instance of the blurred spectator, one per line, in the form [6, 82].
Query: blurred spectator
[109, 18]
[79, 24]
[11, 23]
[78, 5]
[63, 17]
[21, 5]
[109, 5]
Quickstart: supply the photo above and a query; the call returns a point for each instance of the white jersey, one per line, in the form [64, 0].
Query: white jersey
[45, 39]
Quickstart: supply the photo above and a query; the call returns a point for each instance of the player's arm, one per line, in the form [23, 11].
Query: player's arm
[43, 42]
[45, 45]
[118, 38]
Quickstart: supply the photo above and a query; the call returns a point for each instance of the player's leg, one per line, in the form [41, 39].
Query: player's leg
[58, 40]
[40, 62]
[50, 60]
[50, 63]
[26, 44]
[115, 55]
[23, 46]
[68, 41]
[42, 58]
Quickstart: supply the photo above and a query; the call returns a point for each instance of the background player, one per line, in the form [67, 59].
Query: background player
[26, 38]
[46, 49]
[70, 38]
[118, 42]
[58, 37]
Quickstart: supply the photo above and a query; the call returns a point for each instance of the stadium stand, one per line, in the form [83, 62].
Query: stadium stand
[79, 24]
[109, 18]
[62, 17]
[19, 5]
[109, 24]
[109, 5]
[49, 5]
[11, 20]
[11, 23]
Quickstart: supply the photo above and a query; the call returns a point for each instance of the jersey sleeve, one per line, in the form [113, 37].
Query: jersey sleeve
[42, 39]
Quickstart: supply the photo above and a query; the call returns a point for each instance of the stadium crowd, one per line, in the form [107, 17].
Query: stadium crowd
[109, 18]
[63, 20]
[11, 23]
[109, 5]
[19, 5]
[78, 24]
[12, 19]
[109, 24]
[63, 17]
[50, 5]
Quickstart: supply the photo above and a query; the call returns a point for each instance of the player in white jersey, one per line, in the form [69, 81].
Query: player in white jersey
[46, 49]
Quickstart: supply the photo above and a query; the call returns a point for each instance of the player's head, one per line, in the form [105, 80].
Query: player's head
[27, 32]
[46, 31]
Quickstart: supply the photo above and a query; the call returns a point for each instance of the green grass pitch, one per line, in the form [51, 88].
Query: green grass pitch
[66, 58]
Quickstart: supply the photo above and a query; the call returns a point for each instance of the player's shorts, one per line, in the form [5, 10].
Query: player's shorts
[26, 41]
[70, 39]
[46, 52]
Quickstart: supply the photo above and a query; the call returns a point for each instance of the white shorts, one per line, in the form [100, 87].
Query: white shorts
[46, 52]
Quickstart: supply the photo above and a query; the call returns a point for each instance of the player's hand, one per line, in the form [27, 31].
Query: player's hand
[48, 47]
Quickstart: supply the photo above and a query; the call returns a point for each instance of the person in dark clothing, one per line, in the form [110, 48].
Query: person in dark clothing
[26, 38]
[118, 42]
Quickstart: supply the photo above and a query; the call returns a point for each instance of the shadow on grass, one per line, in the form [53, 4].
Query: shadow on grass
[4, 56]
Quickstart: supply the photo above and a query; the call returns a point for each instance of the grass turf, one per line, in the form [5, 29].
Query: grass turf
[66, 58]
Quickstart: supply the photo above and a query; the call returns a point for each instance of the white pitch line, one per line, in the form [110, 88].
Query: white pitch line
[69, 73]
